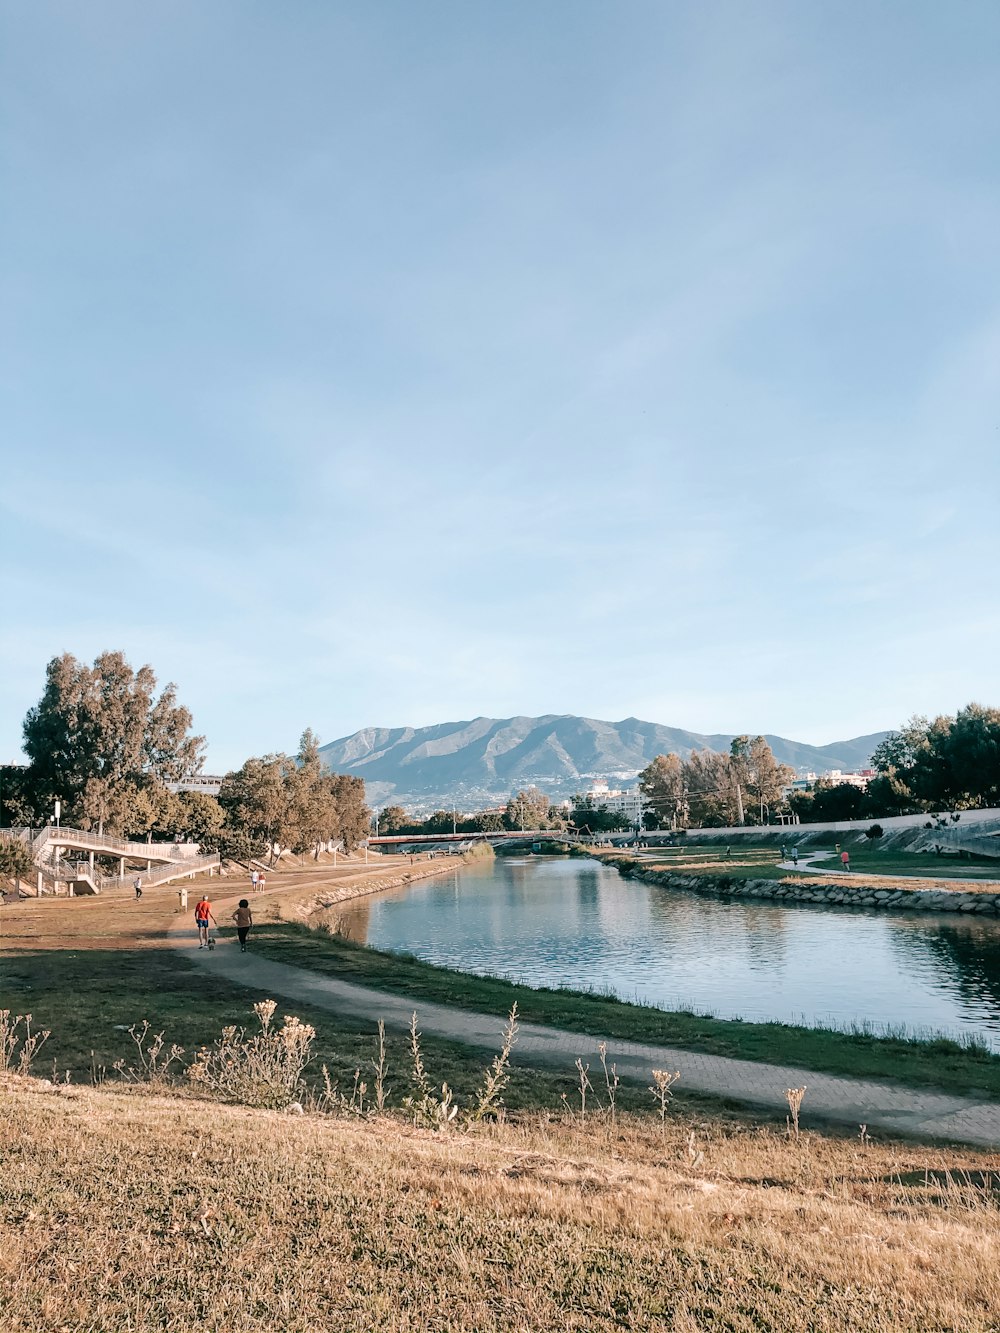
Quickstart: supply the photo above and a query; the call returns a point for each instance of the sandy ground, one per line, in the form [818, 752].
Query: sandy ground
[82, 923]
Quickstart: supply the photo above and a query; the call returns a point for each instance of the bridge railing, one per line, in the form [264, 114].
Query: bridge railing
[101, 842]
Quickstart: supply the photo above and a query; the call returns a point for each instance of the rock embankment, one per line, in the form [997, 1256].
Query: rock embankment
[830, 895]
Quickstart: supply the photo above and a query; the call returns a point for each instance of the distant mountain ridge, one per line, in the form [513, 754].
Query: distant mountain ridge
[485, 758]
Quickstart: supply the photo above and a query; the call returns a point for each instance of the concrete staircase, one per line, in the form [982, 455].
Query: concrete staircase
[158, 862]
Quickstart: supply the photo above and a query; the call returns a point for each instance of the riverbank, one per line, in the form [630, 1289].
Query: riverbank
[839, 890]
[964, 1068]
[318, 902]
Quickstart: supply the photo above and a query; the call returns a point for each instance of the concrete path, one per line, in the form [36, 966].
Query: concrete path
[911, 1111]
[805, 864]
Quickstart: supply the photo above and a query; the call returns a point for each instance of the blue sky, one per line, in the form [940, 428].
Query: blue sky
[391, 364]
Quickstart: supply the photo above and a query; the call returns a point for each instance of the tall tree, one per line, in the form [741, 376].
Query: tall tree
[296, 803]
[662, 784]
[711, 789]
[99, 737]
[761, 778]
[527, 809]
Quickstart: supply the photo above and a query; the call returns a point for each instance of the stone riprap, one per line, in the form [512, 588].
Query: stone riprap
[830, 895]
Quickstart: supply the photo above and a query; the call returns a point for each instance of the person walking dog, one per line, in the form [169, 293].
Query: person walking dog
[203, 915]
[243, 919]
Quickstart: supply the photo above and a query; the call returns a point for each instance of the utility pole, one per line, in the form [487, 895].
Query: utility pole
[739, 803]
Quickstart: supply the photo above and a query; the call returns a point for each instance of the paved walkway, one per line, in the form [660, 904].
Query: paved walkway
[806, 860]
[912, 1111]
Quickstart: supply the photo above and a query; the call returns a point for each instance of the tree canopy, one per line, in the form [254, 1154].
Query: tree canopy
[293, 801]
[104, 743]
[713, 789]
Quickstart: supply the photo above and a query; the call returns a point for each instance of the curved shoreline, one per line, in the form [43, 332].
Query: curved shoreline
[828, 895]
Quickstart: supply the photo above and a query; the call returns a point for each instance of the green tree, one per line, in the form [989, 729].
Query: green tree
[201, 819]
[710, 788]
[16, 861]
[527, 809]
[296, 803]
[393, 819]
[972, 750]
[662, 784]
[762, 779]
[833, 801]
[255, 802]
[103, 742]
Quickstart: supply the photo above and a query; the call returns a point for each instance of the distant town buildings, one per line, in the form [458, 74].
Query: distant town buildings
[627, 801]
[209, 784]
[834, 776]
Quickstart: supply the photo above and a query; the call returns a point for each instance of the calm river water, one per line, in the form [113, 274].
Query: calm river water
[575, 923]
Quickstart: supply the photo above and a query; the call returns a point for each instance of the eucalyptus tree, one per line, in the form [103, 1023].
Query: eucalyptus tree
[104, 743]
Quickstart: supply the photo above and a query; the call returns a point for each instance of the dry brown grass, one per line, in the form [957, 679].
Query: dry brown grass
[133, 1211]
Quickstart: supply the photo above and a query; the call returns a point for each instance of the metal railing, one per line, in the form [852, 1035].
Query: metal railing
[68, 872]
[102, 842]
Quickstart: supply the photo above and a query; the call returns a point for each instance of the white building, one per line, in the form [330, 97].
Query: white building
[627, 801]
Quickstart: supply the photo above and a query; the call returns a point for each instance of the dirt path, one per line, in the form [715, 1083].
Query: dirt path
[924, 1114]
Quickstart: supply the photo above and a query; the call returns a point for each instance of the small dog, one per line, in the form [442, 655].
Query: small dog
[211, 941]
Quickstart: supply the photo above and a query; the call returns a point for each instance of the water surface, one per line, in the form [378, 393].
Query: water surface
[569, 922]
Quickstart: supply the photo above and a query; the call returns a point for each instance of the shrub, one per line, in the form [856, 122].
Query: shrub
[874, 832]
[263, 1069]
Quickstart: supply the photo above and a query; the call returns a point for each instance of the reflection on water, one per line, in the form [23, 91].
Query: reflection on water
[576, 923]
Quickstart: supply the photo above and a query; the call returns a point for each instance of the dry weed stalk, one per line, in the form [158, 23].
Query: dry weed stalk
[260, 1070]
[380, 1067]
[585, 1084]
[611, 1080]
[661, 1088]
[794, 1098]
[154, 1057]
[437, 1111]
[694, 1154]
[489, 1098]
[10, 1037]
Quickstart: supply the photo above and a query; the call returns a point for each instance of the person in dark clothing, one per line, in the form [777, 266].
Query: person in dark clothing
[243, 918]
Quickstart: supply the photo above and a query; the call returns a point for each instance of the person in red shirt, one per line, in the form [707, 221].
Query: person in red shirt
[203, 915]
[845, 860]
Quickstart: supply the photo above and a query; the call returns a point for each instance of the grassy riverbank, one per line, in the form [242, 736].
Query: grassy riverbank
[88, 999]
[150, 1212]
[937, 1063]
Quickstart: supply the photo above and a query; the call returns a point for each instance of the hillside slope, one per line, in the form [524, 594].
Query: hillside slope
[486, 757]
[130, 1211]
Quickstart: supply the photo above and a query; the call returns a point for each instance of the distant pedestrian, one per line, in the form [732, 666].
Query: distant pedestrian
[795, 856]
[243, 919]
[845, 859]
[261, 882]
[729, 853]
[203, 915]
[137, 885]
[254, 879]
[784, 852]
[182, 897]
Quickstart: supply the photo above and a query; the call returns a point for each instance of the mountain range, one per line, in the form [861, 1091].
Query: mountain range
[480, 762]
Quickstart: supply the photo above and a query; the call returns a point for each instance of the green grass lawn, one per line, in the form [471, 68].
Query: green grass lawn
[85, 996]
[936, 1063]
[744, 863]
